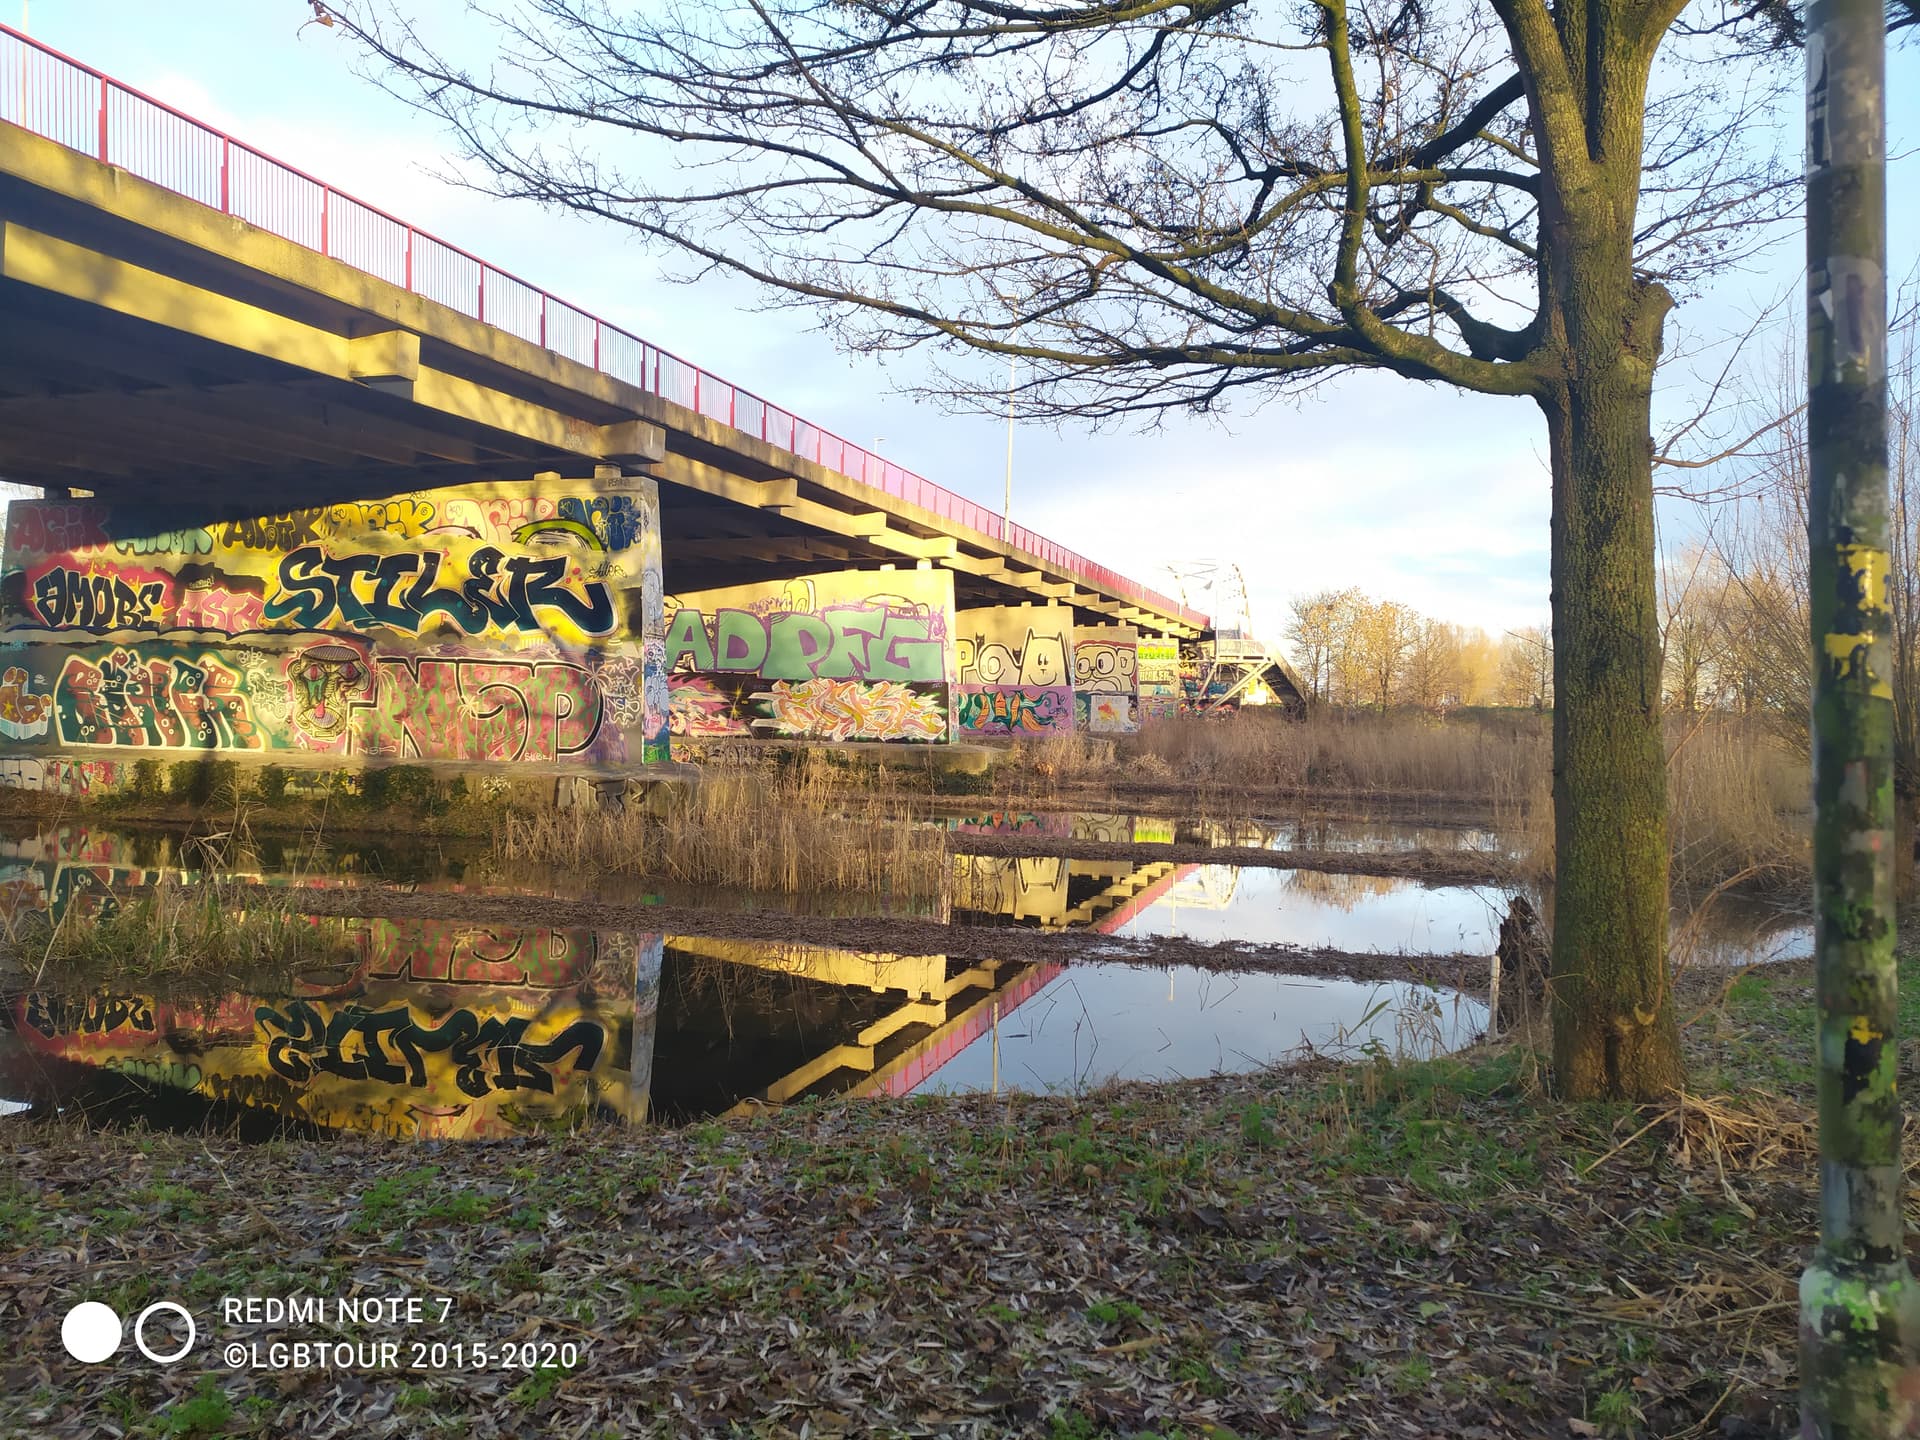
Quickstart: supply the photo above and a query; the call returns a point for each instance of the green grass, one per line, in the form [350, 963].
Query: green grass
[203, 1413]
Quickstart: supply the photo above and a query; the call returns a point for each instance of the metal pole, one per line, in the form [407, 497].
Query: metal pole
[1859, 1305]
[996, 1049]
[1006, 513]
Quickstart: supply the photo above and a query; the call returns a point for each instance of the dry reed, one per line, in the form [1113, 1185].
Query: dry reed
[1736, 795]
[787, 829]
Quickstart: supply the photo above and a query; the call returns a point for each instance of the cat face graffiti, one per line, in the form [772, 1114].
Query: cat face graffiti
[1043, 660]
[322, 680]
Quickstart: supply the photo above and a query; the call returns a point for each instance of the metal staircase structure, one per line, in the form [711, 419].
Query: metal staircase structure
[1234, 667]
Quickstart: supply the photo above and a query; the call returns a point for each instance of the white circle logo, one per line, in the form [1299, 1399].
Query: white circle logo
[91, 1332]
[139, 1332]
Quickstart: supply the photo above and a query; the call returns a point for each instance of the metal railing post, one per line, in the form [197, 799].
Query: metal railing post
[226, 184]
[104, 83]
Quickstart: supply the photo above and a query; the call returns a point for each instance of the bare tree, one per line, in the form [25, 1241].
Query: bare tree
[1316, 632]
[1433, 675]
[1167, 203]
[1526, 668]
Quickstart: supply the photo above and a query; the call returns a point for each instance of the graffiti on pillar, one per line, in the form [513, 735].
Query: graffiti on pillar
[128, 598]
[850, 710]
[1014, 710]
[851, 655]
[1158, 669]
[1106, 678]
[490, 624]
[152, 696]
[1015, 670]
[24, 715]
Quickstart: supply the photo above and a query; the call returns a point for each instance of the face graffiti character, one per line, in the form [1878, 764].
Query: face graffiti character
[322, 679]
[1043, 660]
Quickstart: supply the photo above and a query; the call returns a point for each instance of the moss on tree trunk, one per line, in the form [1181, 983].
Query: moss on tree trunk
[1614, 1034]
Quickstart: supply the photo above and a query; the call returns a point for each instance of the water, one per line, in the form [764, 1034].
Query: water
[1313, 908]
[1373, 835]
[1092, 1024]
[425, 1028]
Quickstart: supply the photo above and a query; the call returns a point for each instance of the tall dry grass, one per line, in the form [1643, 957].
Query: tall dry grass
[790, 829]
[1737, 796]
[1416, 755]
[1737, 807]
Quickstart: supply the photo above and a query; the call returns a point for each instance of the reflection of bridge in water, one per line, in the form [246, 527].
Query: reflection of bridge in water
[442, 1028]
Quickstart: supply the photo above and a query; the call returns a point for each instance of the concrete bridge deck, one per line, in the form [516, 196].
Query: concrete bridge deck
[184, 319]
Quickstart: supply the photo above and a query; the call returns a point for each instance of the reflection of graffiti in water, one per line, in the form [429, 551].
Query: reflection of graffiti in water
[100, 1014]
[460, 952]
[391, 1046]
[849, 710]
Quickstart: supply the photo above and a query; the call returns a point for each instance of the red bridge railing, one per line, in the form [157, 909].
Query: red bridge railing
[53, 96]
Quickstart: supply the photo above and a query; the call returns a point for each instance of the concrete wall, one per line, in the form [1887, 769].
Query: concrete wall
[488, 626]
[846, 655]
[1106, 673]
[1015, 670]
[1159, 677]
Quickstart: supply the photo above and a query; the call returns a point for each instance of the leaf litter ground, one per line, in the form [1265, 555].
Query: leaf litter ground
[1363, 1250]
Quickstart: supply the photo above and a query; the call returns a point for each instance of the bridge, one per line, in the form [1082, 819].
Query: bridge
[222, 361]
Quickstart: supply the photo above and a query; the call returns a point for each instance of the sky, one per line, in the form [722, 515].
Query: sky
[1417, 493]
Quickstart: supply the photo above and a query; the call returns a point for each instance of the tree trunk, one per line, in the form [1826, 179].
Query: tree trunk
[1614, 1034]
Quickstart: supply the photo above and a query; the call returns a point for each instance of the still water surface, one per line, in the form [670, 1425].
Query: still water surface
[446, 1028]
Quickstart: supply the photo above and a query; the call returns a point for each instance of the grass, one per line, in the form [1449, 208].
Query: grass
[1487, 759]
[1737, 797]
[1378, 1248]
[787, 828]
[176, 929]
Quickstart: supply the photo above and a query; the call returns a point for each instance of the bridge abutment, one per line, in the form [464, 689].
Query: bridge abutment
[480, 629]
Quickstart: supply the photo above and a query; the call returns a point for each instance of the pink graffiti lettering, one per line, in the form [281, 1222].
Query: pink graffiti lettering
[213, 607]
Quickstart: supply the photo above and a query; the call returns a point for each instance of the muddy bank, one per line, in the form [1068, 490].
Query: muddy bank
[879, 934]
[1458, 867]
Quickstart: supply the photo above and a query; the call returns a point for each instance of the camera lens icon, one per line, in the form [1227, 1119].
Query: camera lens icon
[92, 1332]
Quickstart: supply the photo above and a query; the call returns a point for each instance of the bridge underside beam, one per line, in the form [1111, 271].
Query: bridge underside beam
[151, 349]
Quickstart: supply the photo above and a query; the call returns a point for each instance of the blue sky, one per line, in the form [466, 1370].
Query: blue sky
[1414, 492]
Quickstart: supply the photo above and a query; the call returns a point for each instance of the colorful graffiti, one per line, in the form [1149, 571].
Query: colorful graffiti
[850, 655]
[494, 624]
[171, 700]
[1013, 710]
[23, 714]
[1102, 714]
[54, 776]
[848, 710]
[1015, 670]
[70, 599]
[334, 698]
[1106, 679]
[498, 594]
[1158, 669]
